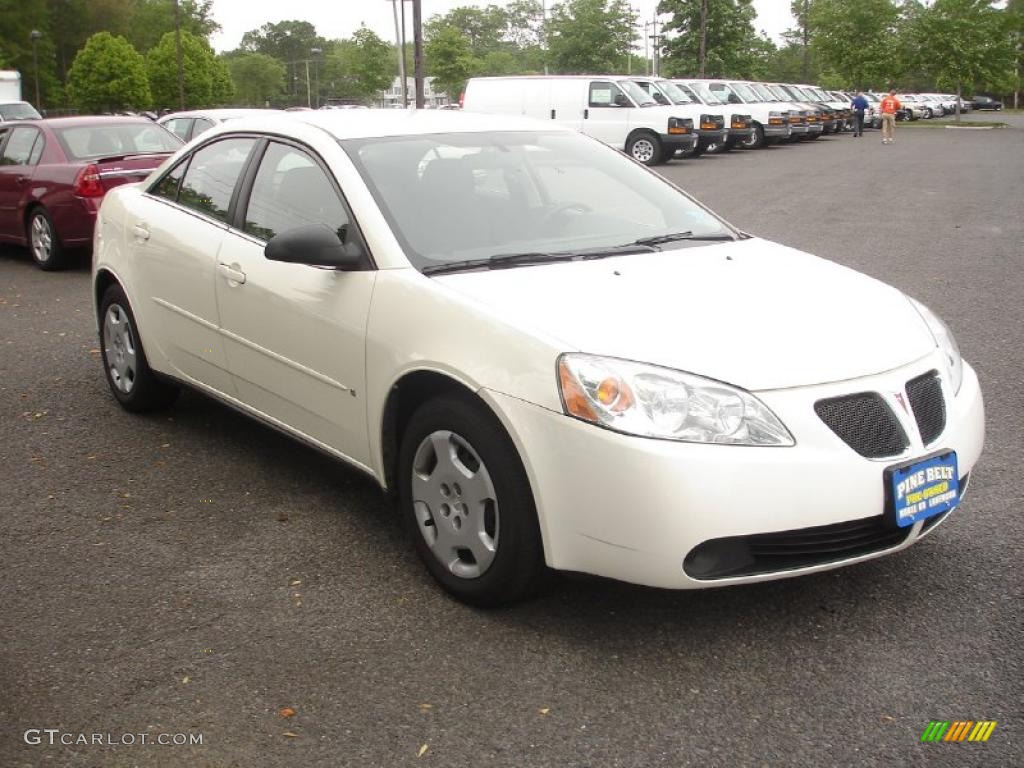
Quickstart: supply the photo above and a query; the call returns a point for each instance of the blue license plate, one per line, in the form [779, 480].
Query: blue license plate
[923, 488]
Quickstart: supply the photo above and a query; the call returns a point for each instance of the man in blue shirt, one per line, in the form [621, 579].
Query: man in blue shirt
[860, 105]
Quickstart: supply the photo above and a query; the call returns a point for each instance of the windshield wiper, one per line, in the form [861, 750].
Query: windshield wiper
[675, 236]
[508, 260]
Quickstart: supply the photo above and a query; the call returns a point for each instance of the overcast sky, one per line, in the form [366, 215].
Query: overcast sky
[339, 18]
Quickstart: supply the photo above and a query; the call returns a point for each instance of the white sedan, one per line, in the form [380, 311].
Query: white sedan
[550, 355]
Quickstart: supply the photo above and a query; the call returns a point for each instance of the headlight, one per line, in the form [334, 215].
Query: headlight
[946, 342]
[650, 401]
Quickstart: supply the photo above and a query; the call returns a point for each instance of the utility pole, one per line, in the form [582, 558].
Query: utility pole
[309, 94]
[417, 54]
[544, 32]
[34, 36]
[702, 56]
[655, 39]
[400, 45]
[807, 41]
[647, 54]
[177, 53]
[315, 53]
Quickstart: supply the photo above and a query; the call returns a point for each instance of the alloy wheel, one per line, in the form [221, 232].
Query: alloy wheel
[41, 238]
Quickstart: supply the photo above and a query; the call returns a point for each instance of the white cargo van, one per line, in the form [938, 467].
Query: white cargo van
[736, 125]
[10, 85]
[771, 122]
[612, 109]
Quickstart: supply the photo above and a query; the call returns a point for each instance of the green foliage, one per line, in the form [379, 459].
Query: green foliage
[152, 19]
[108, 75]
[734, 48]
[451, 60]
[591, 35]
[966, 44]
[357, 68]
[856, 39]
[207, 81]
[258, 78]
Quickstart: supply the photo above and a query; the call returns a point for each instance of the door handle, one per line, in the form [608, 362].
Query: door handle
[141, 231]
[22, 179]
[586, 114]
[232, 273]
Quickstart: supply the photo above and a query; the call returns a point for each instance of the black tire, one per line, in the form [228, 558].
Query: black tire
[517, 569]
[43, 243]
[645, 148]
[142, 390]
[756, 140]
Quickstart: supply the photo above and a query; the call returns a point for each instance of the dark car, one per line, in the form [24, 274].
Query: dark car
[987, 102]
[54, 173]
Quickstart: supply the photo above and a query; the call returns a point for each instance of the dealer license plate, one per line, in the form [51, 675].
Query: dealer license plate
[923, 488]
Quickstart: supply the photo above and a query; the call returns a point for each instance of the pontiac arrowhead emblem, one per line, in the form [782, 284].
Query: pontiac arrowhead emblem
[903, 403]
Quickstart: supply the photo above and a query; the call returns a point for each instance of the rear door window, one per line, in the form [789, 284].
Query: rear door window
[18, 150]
[212, 175]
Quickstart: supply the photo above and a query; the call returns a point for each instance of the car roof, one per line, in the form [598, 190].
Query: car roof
[82, 121]
[371, 123]
[219, 114]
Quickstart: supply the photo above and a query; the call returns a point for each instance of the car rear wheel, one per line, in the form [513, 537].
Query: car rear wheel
[43, 243]
[127, 370]
[645, 148]
[467, 503]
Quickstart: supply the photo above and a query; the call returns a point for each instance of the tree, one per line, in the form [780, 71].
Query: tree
[483, 28]
[290, 42]
[450, 60]
[258, 78]
[965, 44]
[731, 46]
[801, 10]
[17, 20]
[856, 39]
[1015, 13]
[207, 81]
[108, 75]
[152, 19]
[591, 35]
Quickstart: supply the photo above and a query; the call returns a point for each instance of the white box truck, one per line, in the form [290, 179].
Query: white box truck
[609, 108]
[11, 105]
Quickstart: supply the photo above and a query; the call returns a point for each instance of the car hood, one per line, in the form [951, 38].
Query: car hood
[752, 313]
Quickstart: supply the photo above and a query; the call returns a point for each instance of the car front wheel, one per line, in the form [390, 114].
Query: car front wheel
[127, 370]
[468, 504]
[645, 148]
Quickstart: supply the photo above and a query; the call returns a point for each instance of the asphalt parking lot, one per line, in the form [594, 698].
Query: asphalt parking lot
[196, 573]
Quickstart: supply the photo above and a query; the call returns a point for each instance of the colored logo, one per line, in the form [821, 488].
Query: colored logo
[958, 730]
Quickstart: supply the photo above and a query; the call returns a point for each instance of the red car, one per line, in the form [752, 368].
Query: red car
[54, 173]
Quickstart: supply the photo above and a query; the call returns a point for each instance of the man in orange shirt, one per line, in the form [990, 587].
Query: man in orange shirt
[890, 106]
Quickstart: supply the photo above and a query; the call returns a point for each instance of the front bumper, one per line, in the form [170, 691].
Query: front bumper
[632, 508]
[678, 142]
[777, 131]
[707, 137]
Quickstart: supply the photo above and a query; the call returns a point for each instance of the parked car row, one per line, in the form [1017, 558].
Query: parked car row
[656, 119]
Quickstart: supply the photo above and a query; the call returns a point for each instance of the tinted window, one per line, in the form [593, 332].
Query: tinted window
[291, 190]
[85, 142]
[168, 186]
[19, 146]
[212, 174]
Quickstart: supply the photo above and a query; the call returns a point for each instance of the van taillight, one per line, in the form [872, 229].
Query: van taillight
[87, 183]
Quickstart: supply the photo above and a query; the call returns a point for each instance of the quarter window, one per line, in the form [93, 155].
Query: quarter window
[212, 174]
[291, 190]
[19, 146]
[167, 187]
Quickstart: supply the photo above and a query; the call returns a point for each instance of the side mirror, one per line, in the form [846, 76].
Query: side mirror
[316, 245]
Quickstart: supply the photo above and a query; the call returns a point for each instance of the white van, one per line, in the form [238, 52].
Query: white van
[610, 108]
[736, 125]
[772, 122]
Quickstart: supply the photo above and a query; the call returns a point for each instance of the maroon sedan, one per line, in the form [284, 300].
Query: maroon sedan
[54, 173]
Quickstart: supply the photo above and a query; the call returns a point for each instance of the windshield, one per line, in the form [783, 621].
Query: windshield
[702, 92]
[637, 94]
[86, 142]
[743, 91]
[458, 196]
[674, 92]
[763, 94]
[781, 93]
[19, 111]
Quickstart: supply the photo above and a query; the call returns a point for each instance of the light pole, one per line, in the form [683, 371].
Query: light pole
[400, 46]
[315, 53]
[34, 36]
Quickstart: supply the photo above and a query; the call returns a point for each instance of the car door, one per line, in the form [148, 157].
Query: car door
[18, 160]
[607, 113]
[295, 334]
[175, 232]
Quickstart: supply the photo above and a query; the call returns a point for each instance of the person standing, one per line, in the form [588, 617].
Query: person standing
[860, 105]
[890, 106]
